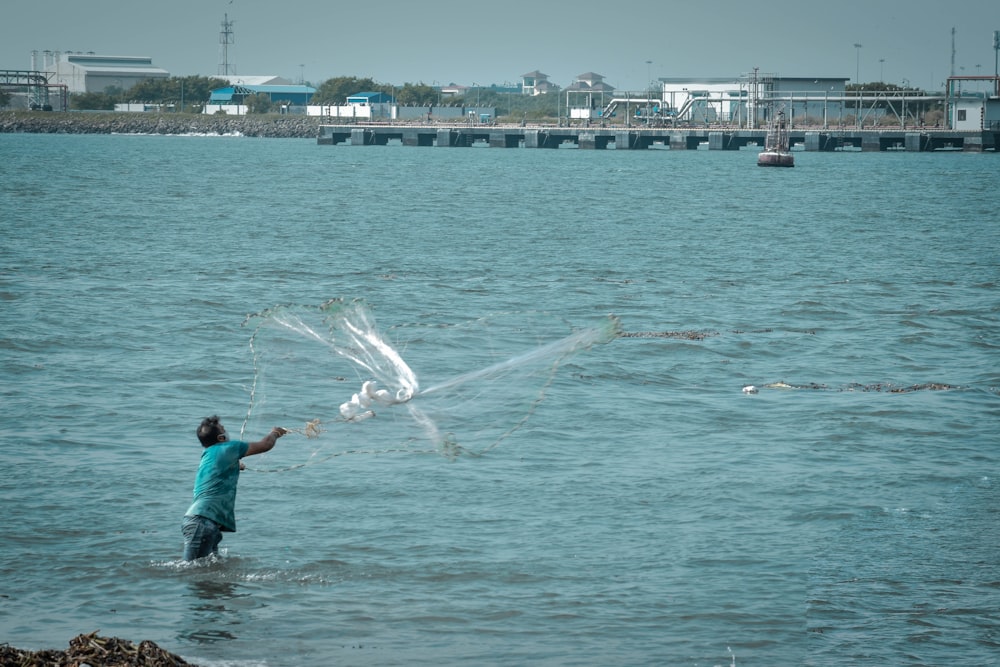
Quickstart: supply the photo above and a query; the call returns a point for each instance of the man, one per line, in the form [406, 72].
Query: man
[213, 510]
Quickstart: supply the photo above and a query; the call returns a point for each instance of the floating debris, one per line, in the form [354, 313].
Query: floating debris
[883, 387]
[785, 385]
[94, 650]
[684, 335]
[886, 387]
[694, 335]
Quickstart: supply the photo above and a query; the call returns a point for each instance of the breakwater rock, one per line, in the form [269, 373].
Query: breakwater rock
[76, 122]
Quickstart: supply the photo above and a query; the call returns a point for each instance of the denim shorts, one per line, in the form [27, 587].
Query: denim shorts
[201, 537]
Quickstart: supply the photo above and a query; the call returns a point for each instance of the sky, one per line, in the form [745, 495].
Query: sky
[470, 42]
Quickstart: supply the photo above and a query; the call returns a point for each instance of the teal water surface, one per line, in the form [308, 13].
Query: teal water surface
[649, 511]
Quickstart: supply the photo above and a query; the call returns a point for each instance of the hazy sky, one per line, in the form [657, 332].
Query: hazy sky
[482, 42]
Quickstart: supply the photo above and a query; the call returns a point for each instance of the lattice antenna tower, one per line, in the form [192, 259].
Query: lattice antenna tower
[226, 37]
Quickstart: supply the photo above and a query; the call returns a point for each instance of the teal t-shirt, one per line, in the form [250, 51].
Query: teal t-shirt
[215, 484]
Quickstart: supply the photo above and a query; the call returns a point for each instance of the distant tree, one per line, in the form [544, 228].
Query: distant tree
[417, 94]
[258, 103]
[186, 91]
[150, 90]
[878, 85]
[4, 98]
[890, 98]
[336, 91]
[935, 116]
[92, 101]
[525, 107]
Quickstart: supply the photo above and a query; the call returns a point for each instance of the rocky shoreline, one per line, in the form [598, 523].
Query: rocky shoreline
[76, 122]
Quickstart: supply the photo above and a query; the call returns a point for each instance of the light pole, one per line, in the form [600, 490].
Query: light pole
[649, 86]
[881, 69]
[857, 82]
[996, 57]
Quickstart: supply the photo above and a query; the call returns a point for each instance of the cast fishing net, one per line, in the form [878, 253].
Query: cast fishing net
[343, 386]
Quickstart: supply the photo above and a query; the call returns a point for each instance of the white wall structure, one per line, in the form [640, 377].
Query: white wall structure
[967, 113]
[347, 111]
[228, 109]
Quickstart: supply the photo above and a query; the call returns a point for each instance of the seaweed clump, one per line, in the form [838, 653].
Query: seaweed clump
[95, 651]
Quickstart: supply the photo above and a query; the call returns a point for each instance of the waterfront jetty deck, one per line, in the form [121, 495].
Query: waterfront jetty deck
[640, 138]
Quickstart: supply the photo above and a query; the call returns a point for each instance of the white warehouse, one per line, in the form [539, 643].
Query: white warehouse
[93, 73]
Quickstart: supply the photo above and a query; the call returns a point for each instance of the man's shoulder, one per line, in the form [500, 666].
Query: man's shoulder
[237, 448]
[240, 447]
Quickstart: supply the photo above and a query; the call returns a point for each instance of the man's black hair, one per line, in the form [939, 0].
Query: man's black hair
[209, 431]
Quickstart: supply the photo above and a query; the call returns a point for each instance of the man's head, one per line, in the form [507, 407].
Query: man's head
[211, 432]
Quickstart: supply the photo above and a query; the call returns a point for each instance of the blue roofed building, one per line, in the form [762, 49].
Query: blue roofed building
[369, 99]
[233, 99]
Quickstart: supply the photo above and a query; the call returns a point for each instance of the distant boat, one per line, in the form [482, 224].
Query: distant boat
[776, 153]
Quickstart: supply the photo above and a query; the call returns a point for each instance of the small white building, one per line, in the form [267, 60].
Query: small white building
[974, 103]
[537, 83]
[94, 73]
[587, 95]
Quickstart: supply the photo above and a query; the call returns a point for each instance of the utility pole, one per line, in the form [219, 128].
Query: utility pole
[953, 51]
[996, 55]
[649, 86]
[996, 63]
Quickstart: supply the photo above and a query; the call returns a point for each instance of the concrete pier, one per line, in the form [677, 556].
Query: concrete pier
[635, 138]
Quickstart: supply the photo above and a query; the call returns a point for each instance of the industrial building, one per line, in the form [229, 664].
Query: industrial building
[748, 99]
[55, 75]
[93, 73]
[744, 101]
